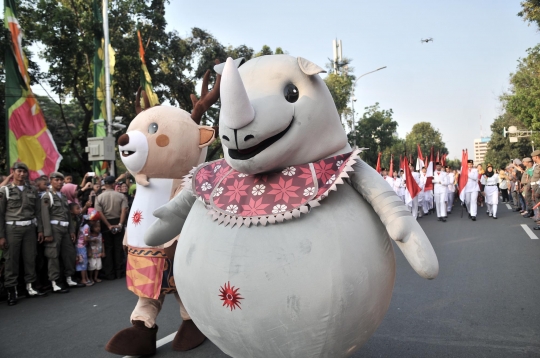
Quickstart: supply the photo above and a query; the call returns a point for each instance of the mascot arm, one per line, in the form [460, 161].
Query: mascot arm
[170, 219]
[401, 226]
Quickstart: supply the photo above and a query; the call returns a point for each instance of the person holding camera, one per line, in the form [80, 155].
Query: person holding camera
[113, 210]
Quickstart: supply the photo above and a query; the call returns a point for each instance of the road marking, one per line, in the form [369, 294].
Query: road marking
[529, 232]
[508, 206]
[163, 341]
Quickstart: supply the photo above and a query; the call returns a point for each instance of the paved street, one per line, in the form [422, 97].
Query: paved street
[485, 303]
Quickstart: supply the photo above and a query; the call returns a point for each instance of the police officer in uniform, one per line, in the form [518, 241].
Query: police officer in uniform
[535, 180]
[59, 234]
[20, 215]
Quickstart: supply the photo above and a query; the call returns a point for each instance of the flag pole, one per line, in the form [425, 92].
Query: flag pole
[107, 73]
[6, 109]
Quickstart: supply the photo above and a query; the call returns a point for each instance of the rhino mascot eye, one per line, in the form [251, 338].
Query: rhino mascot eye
[291, 93]
[152, 128]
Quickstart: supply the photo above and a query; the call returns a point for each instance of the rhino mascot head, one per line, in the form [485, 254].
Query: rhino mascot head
[274, 112]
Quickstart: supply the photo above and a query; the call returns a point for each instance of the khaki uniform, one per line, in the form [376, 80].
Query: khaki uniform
[535, 188]
[20, 216]
[110, 204]
[525, 184]
[57, 223]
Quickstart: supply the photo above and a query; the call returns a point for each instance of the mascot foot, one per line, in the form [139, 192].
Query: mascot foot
[187, 337]
[134, 341]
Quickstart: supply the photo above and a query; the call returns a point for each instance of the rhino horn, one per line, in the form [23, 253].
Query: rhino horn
[236, 110]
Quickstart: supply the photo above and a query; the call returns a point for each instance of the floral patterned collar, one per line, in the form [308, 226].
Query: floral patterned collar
[240, 199]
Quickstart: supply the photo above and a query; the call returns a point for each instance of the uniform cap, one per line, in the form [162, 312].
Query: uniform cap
[56, 175]
[535, 153]
[109, 180]
[470, 161]
[527, 160]
[20, 165]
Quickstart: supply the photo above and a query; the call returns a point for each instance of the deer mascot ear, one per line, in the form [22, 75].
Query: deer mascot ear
[308, 67]
[206, 136]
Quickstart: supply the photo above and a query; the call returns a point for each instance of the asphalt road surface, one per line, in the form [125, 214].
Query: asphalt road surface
[484, 303]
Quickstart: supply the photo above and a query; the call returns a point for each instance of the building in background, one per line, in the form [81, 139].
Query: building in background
[480, 149]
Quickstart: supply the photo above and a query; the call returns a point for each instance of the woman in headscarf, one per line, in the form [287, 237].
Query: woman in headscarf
[490, 180]
[70, 190]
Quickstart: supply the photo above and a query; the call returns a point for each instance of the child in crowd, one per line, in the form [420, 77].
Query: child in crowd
[95, 242]
[82, 240]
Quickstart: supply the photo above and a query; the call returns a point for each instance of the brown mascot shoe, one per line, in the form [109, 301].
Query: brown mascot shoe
[134, 341]
[187, 337]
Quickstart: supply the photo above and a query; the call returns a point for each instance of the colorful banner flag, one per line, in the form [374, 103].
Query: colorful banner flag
[378, 168]
[28, 139]
[100, 108]
[146, 80]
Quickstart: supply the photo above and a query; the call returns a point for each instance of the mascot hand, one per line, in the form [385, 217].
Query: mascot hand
[415, 245]
[142, 179]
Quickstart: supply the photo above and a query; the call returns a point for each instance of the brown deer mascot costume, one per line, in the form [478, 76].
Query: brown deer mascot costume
[161, 146]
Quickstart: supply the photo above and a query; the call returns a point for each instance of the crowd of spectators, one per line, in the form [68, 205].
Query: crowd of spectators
[86, 244]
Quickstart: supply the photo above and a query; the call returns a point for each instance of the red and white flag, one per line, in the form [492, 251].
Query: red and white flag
[412, 187]
[391, 168]
[464, 176]
[378, 168]
[420, 163]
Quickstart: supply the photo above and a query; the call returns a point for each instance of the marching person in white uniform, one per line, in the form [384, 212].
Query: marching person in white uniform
[471, 191]
[397, 182]
[426, 194]
[413, 205]
[401, 186]
[490, 179]
[451, 189]
[440, 186]
[387, 178]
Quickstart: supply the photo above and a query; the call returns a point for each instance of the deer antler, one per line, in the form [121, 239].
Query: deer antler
[208, 98]
[138, 107]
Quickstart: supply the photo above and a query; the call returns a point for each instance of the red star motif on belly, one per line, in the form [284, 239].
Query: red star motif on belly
[137, 217]
[230, 296]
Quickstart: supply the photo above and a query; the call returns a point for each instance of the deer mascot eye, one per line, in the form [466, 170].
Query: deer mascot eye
[152, 128]
[291, 93]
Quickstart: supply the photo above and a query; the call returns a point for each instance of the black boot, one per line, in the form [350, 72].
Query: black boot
[12, 296]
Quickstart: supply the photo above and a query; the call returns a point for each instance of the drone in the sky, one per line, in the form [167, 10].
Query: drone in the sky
[427, 40]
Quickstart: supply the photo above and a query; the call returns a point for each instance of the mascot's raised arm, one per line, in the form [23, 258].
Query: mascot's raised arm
[286, 252]
[162, 144]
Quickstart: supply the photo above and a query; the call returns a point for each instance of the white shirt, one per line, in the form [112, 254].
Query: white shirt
[451, 186]
[493, 181]
[389, 180]
[440, 182]
[472, 183]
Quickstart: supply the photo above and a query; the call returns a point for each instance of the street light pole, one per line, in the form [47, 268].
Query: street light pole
[354, 99]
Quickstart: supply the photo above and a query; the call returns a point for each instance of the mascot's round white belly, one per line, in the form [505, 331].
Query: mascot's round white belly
[326, 277]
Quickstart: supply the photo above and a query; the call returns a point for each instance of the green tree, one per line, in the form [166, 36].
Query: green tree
[530, 11]
[523, 101]
[426, 136]
[500, 151]
[340, 85]
[375, 131]
[454, 163]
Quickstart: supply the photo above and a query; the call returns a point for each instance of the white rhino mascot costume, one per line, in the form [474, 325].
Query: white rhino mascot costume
[287, 252]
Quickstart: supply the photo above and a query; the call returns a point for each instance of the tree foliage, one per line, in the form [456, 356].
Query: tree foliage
[340, 84]
[523, 101]
[530, 11]
[500, 151]
[375, 131]
[426, 136]
[65, 30]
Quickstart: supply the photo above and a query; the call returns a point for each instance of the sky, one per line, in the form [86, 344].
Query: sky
[453, 82]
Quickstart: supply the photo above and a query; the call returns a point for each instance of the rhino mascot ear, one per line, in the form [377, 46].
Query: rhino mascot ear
[219, 68]
[308, 67]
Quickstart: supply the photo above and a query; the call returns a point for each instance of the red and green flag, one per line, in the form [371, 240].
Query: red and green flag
[146, 80]
[28, 139]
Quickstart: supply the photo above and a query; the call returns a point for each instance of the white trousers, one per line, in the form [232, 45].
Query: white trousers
[471, 199]
[449, 200]
[413, 207]
[427, 203]
[440, 204]
[492, 199]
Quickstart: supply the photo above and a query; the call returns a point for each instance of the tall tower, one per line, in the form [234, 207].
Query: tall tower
[338, 53]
